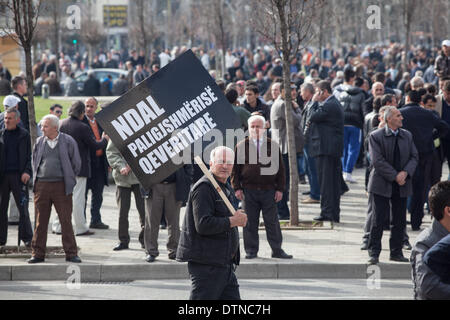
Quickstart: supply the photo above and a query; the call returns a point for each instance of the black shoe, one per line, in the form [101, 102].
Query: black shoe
[365, 245]
[150, 258]
[373, 260]
[320, 218]
[416, 229]
[306, 193]
[163, 226]
[251, 256]
[57, 233]
[120, 246]
[36, 260]
[13, 223]
[172, 255]
[398, 258]
[74, 259]
[99, 225]
[407, 245]
[281, 255]
[87, 233]
[302, 179]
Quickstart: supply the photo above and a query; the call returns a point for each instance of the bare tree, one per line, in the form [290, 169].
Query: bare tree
[142, 30]
[25, 14]
[288, 25]
[92, 32]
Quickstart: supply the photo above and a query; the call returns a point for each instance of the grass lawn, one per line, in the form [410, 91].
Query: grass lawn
[42, 106]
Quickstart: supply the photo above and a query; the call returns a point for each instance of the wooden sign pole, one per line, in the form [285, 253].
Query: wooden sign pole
[208, 174]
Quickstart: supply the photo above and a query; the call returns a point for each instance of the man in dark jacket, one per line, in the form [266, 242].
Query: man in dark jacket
[426, 283]
[209, 239]
[166, 197]
[394, 158]
[352, 100]
[82, 134]
[326, 142]
[99, 166]
[19, 86]
[15, 172]
[91, 86]
[425, 126]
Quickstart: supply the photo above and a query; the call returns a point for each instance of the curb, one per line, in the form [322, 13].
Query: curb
[162, 271]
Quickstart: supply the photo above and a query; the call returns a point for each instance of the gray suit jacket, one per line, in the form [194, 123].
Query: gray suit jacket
[426, 283]
[278, 125]
[68, 155]
[381, 150]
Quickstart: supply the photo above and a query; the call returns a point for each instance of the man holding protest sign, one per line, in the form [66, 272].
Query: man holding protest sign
[209, 239]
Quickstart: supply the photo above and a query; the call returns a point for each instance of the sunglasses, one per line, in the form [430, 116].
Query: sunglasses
[58, 112]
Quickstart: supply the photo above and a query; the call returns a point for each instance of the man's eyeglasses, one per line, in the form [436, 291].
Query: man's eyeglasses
[58, 112]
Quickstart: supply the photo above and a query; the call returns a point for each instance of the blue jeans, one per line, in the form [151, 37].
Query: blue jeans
[300, 164]
[311, 172]
[352, 145]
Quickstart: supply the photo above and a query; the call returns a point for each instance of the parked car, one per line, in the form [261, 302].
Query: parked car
[100, 74]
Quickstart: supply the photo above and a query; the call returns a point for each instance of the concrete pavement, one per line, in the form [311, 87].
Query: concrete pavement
[321, 253]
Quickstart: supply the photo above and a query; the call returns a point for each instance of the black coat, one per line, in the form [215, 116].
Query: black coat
[24, 152]
[85, 139]
[206, 236]
[352, 100]
[326, 137]
[98, 163]
[424, 125]
[23, 109]
[91, 87]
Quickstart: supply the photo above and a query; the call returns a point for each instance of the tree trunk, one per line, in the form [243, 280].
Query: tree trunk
[292, 152]
[31, 113]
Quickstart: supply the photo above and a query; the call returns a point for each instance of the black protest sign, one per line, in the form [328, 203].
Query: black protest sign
[165, 114]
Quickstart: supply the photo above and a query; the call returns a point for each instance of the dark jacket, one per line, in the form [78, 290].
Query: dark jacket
[183, 182]
[426, 284]
[249, 174]
[24, 152]
[326, 136]
[85, 139]
[383, 173]
[23, 109]
[98, 162]
[352, 100]
[438, 259]
[260, 107]
[91, 87]
[206, 236]
[421, 123]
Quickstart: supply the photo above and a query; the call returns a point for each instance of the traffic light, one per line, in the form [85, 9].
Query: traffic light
[74, 41]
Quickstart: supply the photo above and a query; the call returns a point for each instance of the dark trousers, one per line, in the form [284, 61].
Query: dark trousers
[47, 194]
[213, 282]
[256, 201]
[331, 186]
[283, 209]
[123, 197]
[11, 182]
[96, 184]
[420, 182]
[381, 207]
[445, 145]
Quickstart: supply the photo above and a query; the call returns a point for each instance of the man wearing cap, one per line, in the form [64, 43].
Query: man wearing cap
[10, 101]
[442, 64]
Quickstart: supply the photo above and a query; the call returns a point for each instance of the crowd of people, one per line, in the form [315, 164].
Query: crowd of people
[350, 109]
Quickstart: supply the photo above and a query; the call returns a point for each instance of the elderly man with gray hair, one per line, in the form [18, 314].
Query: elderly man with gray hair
[259, 181]
[394, 158]
[209, 239]
[56, 163]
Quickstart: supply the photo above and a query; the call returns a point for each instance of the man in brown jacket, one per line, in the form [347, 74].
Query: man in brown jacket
[258, 179]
